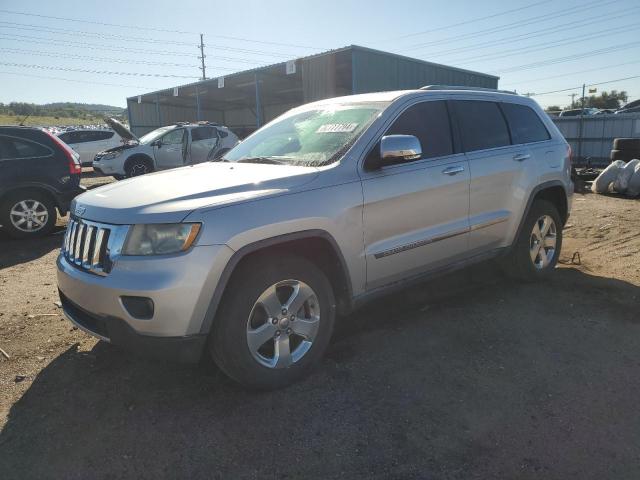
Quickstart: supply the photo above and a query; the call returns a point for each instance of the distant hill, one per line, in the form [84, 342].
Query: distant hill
[86, 111]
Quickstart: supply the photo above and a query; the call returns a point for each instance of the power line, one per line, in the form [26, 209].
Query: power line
[553, 61]
[71, 80]
[101, 72]
[539, 46]
[509, 26]
[127, 61]
[473, 20]
[572, 73]
[108, 36]
[535, 33]
[97, 59]
[587, 84]
[139, 50]
[163, 30]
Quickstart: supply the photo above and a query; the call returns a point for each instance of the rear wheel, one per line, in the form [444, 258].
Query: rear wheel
[536, 251]
[28, 214]
[274, 322]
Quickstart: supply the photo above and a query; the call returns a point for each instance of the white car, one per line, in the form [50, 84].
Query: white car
[88, 143]
[166, 147]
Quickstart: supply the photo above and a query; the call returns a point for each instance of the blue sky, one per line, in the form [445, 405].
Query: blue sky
[534, 46]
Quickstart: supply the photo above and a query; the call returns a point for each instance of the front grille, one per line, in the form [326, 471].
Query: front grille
[91, 246]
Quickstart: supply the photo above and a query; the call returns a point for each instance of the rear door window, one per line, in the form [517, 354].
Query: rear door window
[203, 133]
[429, 122]
[482, 125]
[525, 124]
[13, 148]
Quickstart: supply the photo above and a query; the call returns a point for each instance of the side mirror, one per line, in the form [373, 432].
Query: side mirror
[395, 149]
[156, 143]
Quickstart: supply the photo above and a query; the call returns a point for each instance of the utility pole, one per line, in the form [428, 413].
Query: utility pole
[202, 56]
[573, 101]
[581, 126]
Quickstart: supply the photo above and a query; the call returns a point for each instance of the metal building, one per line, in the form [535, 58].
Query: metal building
[246, 100]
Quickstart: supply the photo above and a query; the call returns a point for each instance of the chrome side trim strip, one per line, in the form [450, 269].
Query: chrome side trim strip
[420, 243]
[488, 223]
[438, 238]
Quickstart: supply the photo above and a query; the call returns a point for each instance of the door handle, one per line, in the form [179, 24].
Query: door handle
[520, 157]
[453, 170]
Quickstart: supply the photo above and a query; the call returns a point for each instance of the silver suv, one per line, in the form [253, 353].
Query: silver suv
[336, 202]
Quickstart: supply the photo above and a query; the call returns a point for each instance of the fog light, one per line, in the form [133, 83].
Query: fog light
[138, 307]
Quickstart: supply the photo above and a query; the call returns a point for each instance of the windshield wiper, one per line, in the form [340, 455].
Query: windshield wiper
[270, 160]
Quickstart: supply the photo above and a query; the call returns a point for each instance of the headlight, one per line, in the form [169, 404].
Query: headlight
[108, 156]
[160, 238]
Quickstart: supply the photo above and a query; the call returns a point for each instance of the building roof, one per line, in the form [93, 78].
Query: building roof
[209, 81]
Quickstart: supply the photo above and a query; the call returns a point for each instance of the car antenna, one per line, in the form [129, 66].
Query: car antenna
[23, 120]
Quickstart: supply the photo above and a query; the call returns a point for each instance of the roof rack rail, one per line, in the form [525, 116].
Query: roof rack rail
[207, 122]
[462, 87]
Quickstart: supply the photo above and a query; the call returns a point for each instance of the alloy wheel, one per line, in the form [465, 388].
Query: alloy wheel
[542, 245]
[283, 324]
[29, 215]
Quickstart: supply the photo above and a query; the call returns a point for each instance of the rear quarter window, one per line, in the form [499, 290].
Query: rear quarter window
[482, 125]
[525, 124]
[16, 148]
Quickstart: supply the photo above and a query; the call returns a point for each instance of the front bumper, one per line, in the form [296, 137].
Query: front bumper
[187, 349]
[105, 168]
[180, 286]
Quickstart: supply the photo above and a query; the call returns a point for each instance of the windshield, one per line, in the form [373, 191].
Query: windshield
[151, 136]
[313, 137]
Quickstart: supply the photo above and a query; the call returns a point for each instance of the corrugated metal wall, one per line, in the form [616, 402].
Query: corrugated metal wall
[598, 132]
[374, 71]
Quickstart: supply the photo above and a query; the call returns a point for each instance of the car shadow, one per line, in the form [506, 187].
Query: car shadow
[469, 375]
[15, 252]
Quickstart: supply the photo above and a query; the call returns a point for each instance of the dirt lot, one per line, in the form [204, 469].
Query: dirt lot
[469, 376]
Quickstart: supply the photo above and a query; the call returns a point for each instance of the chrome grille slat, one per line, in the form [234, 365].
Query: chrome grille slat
[92, 246]
[86, 244]
[76, 250]
[97, 249]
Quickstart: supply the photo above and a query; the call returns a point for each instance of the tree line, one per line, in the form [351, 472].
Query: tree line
[60, 109]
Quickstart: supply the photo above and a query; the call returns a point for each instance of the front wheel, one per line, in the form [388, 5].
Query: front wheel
[137, 166]
[537, 249]
[274, 323]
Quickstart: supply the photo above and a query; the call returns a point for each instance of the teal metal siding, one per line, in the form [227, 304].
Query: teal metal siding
[378, 71]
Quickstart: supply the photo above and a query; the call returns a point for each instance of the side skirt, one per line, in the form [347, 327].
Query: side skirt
[364, 298]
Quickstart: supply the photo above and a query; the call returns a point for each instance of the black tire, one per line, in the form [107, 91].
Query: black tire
[624, 155]
[228, 342]
[518, 263]
[138, 165]
[28, 196]
[626, 144]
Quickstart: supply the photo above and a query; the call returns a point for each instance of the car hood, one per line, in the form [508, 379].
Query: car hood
[120, 129]
[166, 197]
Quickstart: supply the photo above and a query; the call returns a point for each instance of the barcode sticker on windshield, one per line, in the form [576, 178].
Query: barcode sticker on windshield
[337, 128]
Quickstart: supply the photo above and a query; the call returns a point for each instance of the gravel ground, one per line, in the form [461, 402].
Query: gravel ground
[470, 376]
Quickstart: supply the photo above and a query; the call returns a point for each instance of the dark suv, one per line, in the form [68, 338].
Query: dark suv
[39, 174]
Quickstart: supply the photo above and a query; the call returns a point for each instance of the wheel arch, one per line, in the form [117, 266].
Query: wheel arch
[40, 188]
[553, 191]
[135, 156]
[317, 246]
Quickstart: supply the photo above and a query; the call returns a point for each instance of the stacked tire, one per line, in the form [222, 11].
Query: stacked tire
[625, 149]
